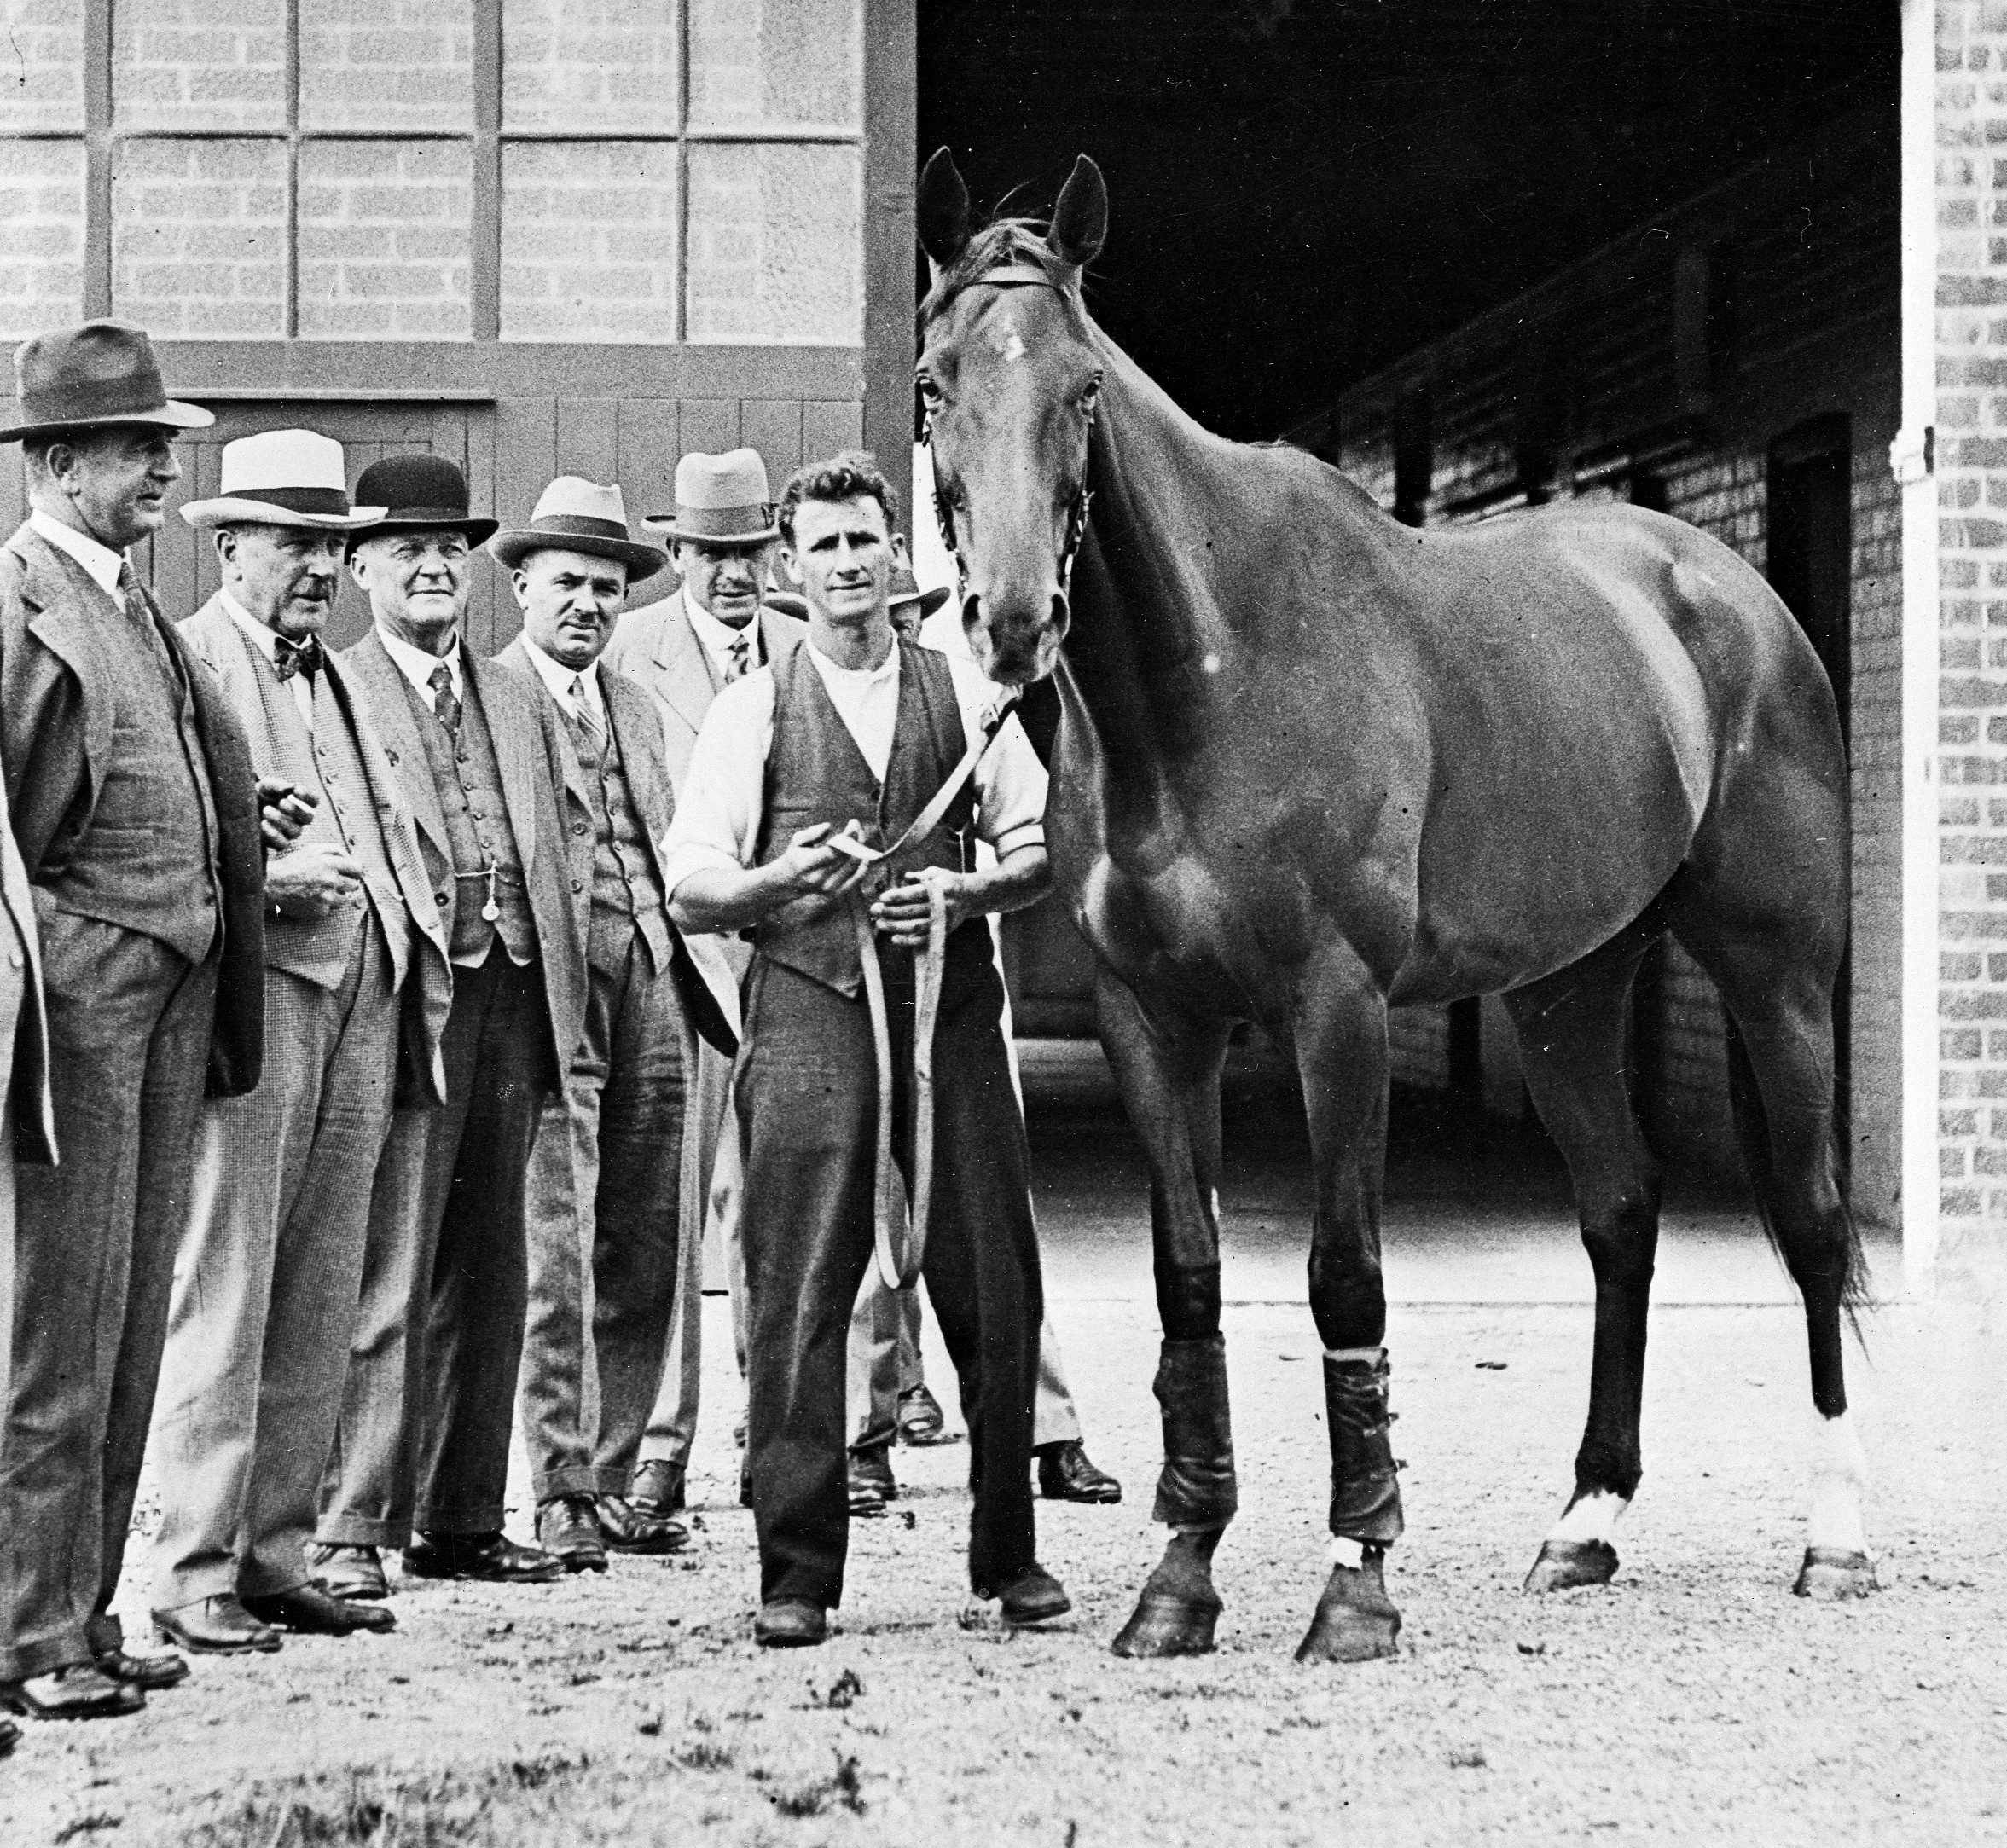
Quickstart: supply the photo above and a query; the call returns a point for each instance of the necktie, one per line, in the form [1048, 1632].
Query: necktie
[291, 657]
[587, 716]
[445, 707]
[140, 613]
[739, 662]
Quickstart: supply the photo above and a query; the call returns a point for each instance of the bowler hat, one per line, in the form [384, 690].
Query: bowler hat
[721, 500]
[101, 372]
[576, 515]
[417, 490]
[283, 477]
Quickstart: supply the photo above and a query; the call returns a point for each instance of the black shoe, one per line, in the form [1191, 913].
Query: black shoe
[658, 1487]
[1029, 1595]
[348, 1573]
[744, 1482]
[1065, 1474]
[920, 1421]
[491, 1557]
[569, 1527]
[150, 1674]
[310, 1610]
[627, 1527]
[80, 1691]
[871, 1483]
[216, 1627]
[10, 1736]
[791, 1624]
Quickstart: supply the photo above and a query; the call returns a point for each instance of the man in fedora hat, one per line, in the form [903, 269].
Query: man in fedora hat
[136, 808]
[605, 1192]
[421, 1452]
[265, 1292]
[717, 626]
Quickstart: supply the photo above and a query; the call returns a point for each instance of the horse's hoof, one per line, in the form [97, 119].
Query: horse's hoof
[1831, 1573]
[1564, 1564]
[1162, 1625]
[1355, 1619]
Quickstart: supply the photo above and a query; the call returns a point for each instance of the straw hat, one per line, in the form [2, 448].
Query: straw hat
[721, 500]
[576, 515]
[283, 477]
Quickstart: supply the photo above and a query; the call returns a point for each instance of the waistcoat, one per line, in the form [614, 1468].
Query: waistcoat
[147, 858]
[468, 778]
[815, 772]
[627, 893]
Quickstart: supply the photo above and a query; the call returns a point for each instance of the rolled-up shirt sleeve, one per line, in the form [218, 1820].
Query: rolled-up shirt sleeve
[1010, 783]
[717, 817]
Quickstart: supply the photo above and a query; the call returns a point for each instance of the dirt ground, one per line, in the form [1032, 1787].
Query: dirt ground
[1692, 1700]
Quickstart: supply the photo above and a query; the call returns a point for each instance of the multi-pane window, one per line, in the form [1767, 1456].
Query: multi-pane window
[635, 170]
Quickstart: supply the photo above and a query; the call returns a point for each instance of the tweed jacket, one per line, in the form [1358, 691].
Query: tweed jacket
[710, 993]
[656, 646]
[55, 740]
[231, 655]
[531, 753]
[34, 1108]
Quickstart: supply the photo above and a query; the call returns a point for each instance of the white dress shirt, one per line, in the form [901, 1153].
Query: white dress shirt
[718, 639]
[103, 564]
[718, 816]
[267, 644]
[573, 688]
[418, 666]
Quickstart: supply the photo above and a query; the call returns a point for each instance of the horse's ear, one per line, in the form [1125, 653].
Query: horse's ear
[1080, 220]
[941, 211]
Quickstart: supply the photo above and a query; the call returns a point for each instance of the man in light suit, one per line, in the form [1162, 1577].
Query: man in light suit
[422, 1454]
[135, 810]
[713, 631]
[605, 1192]
[265, 1291]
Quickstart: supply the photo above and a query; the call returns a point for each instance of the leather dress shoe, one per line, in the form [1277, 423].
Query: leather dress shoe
[1029, 1595]
[1065, 1474]
[920, 1421]
[491, 1557]
[568, 1526]
[627, 1528]
[80, 1691]
[658, 1487]
[348, 1573]
[872, 1484]
[217, 1626]
[150, 1674]
[10, 1736]
[791, 1624]
[313, 1611]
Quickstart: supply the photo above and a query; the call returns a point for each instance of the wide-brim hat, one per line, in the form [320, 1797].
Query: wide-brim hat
[786, 604]
[283, 477]
[905, 589]
[101, 372]
[721, 500]
[418, 491]
[573, 514]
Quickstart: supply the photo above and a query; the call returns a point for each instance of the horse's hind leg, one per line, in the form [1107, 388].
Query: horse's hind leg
[1170, 1078]
[1570, 1028]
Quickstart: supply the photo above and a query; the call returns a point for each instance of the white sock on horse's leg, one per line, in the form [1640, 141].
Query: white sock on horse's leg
[1839, 1473]
[1590, 1517]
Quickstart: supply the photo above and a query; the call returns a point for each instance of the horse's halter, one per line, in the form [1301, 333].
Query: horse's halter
[1015, 275]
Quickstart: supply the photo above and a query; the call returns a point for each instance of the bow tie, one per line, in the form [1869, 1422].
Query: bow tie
[291, 657]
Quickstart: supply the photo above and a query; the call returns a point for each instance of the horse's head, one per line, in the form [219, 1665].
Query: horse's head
[1009, 374]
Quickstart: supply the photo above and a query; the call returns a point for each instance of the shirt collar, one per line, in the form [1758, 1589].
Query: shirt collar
[719, 638]
[260, 633]
[103, 564]
[887, 669]
[558, 677]
[418, 665]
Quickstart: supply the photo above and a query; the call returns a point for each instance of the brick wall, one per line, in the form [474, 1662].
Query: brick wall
[588, 236]
[766, 63]
[45, 68]
[386, 63]
[384, 239]
[602, 65]
[41, 236]
[775, 244]
[202, 64]
[199, 238]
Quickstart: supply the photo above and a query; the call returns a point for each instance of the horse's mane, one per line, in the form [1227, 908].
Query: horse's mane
[1005, 241]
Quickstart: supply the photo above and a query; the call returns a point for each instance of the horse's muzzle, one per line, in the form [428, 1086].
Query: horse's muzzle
[1015, 653]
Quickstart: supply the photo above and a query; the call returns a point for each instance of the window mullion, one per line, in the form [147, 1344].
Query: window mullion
[485, 240]
[97, 158]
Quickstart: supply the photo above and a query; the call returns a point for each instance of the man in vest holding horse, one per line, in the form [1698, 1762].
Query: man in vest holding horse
[606, 1181]
[856, 734]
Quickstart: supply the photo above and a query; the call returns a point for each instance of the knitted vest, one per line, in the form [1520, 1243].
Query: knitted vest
[468, 778]
[627, 893]
[815, 772]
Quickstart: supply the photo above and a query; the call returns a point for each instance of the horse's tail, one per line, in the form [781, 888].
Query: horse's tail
[1752, 1132]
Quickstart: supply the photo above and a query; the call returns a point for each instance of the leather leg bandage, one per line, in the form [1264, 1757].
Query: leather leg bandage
[1198, 1489]
[1366, 1491]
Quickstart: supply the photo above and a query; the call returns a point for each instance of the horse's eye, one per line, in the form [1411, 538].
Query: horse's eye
[1092, 397]
[930, 392]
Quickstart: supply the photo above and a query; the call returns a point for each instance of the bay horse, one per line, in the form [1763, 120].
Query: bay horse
[1313, 764]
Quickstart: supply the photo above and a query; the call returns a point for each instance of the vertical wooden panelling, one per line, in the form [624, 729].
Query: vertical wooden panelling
[710, 424]
[828, 427]
[647, 457]
[14, 489]
[526, 459]
[774, 427]
[587, 439]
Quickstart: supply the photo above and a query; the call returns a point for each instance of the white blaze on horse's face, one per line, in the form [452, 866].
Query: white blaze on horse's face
[1010, 378]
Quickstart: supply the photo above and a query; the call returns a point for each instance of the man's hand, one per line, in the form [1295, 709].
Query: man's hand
[812, 867]
[311, 881]
[283, 811]
[902, 910]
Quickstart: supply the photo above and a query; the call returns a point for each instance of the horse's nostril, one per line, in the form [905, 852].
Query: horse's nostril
[1060, 612]
[972, 611]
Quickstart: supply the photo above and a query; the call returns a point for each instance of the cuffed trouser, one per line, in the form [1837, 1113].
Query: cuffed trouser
[95, 1241]
[604, 1200]
[266, 1288]
[423, 1438]
[806, 1097]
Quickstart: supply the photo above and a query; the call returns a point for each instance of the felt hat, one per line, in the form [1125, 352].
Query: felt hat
[786, 604]
[576, 515]
[721, 500]
[101, 372]
[418, 491]
[283, 477]
[905, 589]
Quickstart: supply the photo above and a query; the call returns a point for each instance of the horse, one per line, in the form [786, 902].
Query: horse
[1313, 764]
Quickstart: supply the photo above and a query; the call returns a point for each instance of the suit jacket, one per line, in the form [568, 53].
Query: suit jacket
[229, 653]
[55, 739]
[656, 646]
[34, 1108]
[710, 995]
[531, 754]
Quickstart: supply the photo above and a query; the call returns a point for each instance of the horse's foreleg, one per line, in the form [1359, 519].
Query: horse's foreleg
[1170, 1083]
[1341, 1033]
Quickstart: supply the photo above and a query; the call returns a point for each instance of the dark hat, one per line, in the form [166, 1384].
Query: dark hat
[905, 589]
[574, 514]
[417, 490]
[101, 372]
[787, 604]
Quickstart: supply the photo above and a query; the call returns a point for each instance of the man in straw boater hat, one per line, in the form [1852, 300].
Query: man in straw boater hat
[716, 628]
[858, 744]
[606, 1181]
[421, 1456]
[137, 812]
[265, 1292]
